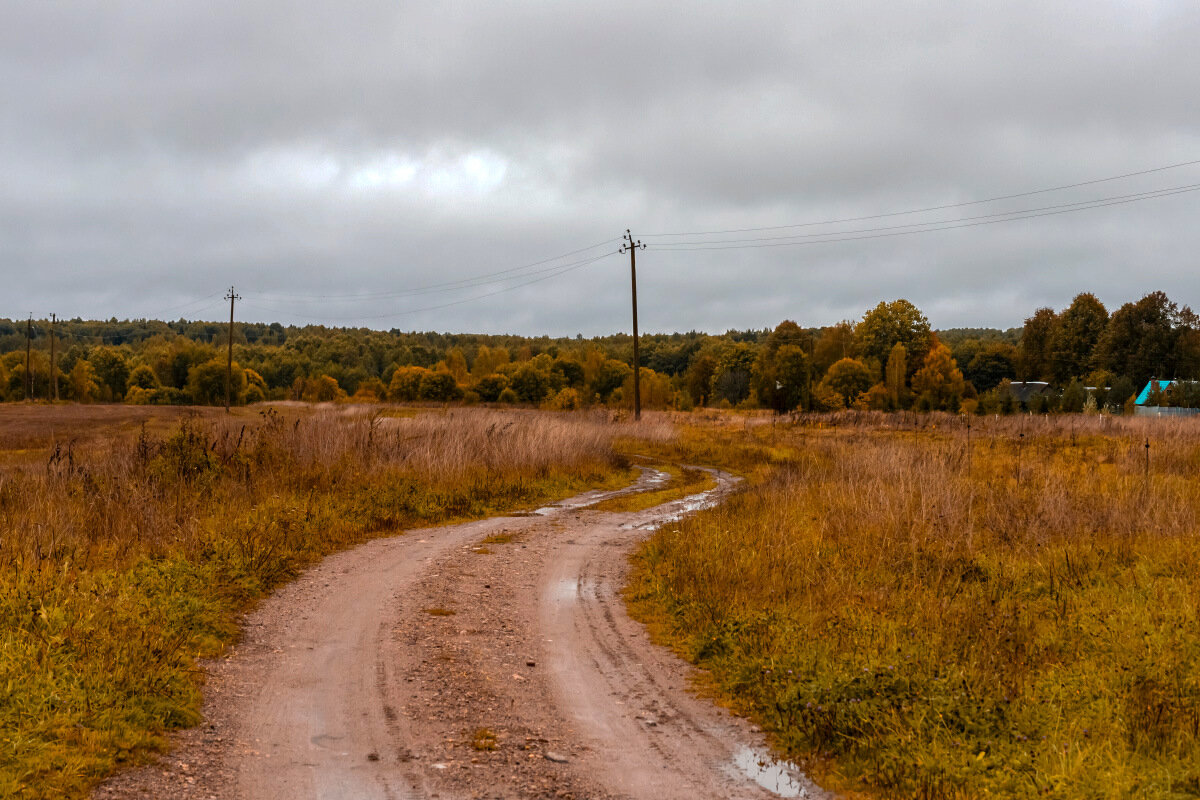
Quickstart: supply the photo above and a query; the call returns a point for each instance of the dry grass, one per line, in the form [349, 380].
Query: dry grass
[130, 539]
[1023, 621]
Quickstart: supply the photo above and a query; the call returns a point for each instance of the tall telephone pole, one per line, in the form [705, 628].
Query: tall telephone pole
[53, 365]
[631, 247]
[29, 359]
[231, 297]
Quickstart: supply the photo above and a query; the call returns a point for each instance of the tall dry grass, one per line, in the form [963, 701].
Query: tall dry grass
[127, 552]
[1021, 620]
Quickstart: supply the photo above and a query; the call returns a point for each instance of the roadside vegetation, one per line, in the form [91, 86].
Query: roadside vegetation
[890, 359]
[912, 619]
[133, 538]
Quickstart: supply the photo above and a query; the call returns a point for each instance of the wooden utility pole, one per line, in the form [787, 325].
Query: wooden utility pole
[53, 364]
[231, 297]
[29, 359]
[631, 247]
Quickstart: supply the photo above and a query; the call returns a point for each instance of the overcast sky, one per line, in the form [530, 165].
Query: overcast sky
[327, 157]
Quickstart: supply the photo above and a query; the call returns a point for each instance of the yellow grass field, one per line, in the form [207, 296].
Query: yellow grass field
[132, 538]
[911, 619]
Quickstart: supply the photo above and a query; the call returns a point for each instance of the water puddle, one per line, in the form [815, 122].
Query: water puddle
[572, 590]
[781, 777]
[681, 508]
[650, 478]
[327, 742]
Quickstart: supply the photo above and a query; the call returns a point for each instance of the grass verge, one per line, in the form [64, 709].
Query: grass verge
[911, 621]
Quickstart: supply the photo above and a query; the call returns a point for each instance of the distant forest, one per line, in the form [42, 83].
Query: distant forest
[889, 359]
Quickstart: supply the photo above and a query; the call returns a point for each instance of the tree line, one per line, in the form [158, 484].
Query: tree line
[889, 359]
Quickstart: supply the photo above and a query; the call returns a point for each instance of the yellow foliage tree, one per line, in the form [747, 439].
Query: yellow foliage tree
[939, 383]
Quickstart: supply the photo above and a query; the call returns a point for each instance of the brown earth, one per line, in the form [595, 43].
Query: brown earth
[492, 659]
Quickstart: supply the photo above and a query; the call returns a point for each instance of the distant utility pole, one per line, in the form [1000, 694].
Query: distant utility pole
[53, 364]
[231, 297]
[29, 359]
[631, 247]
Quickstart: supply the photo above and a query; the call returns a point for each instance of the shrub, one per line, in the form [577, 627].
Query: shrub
[206, 383]
[566, 400]
[530, 385]
[508, 396]
[405, 386]
[440, 387]
[143, 377]
[490, 387]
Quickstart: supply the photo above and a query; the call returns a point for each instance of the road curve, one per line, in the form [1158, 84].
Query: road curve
[491, 659]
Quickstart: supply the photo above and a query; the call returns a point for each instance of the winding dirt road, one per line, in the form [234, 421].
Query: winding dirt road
[492, 659]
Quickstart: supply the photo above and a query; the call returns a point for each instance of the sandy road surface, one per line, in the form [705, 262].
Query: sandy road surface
[440, 665]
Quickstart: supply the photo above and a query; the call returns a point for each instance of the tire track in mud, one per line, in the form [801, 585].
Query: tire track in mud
[435, 665]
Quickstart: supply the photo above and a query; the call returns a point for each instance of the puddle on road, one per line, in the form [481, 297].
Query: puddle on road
[570, 590]
[649, 479]
[680, 509]
[781, 777]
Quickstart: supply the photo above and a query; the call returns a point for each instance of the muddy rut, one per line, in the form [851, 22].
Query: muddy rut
[492, 659]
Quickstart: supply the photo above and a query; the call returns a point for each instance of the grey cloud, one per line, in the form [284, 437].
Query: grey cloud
[154, 153]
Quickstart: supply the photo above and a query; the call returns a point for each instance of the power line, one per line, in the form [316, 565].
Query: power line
[481, 279]
[1148, 195]
[841, 237]
[936, 208]
[561, 270]
[269, 300]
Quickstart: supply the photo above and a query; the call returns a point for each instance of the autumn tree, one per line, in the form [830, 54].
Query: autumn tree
[1074, 337]
[405, 386]
[887, 324]
[835, 343]
[698, 378]
[82, 382]
[456, 365]
[1035, 360]
[990, 365]
[783, 378]
[781, 371]
[439, 387]
[1153, 337]
[112, 371]
[206, 383]
[894, 383]
[731, 377]
[939, 383]
[846, 379]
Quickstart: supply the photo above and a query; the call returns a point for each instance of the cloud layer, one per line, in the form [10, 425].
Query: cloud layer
[328, 157]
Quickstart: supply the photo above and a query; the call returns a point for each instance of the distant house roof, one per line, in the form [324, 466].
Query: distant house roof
[1023, 391]
[1144, 397]
[1151, 386]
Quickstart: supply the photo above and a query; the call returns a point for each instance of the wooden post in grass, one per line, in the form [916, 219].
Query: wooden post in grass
[968, 445]
[29, 359]
[53, 365]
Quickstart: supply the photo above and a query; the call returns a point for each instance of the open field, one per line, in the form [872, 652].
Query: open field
[134, 538]
[913, 621]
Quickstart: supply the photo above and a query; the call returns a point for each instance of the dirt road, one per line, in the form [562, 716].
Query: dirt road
[492, 659]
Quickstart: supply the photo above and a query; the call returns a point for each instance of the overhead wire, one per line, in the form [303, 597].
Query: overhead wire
[850, 236]
[558, 270]
[927, 209]
[479, 279]
[1080, 204]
